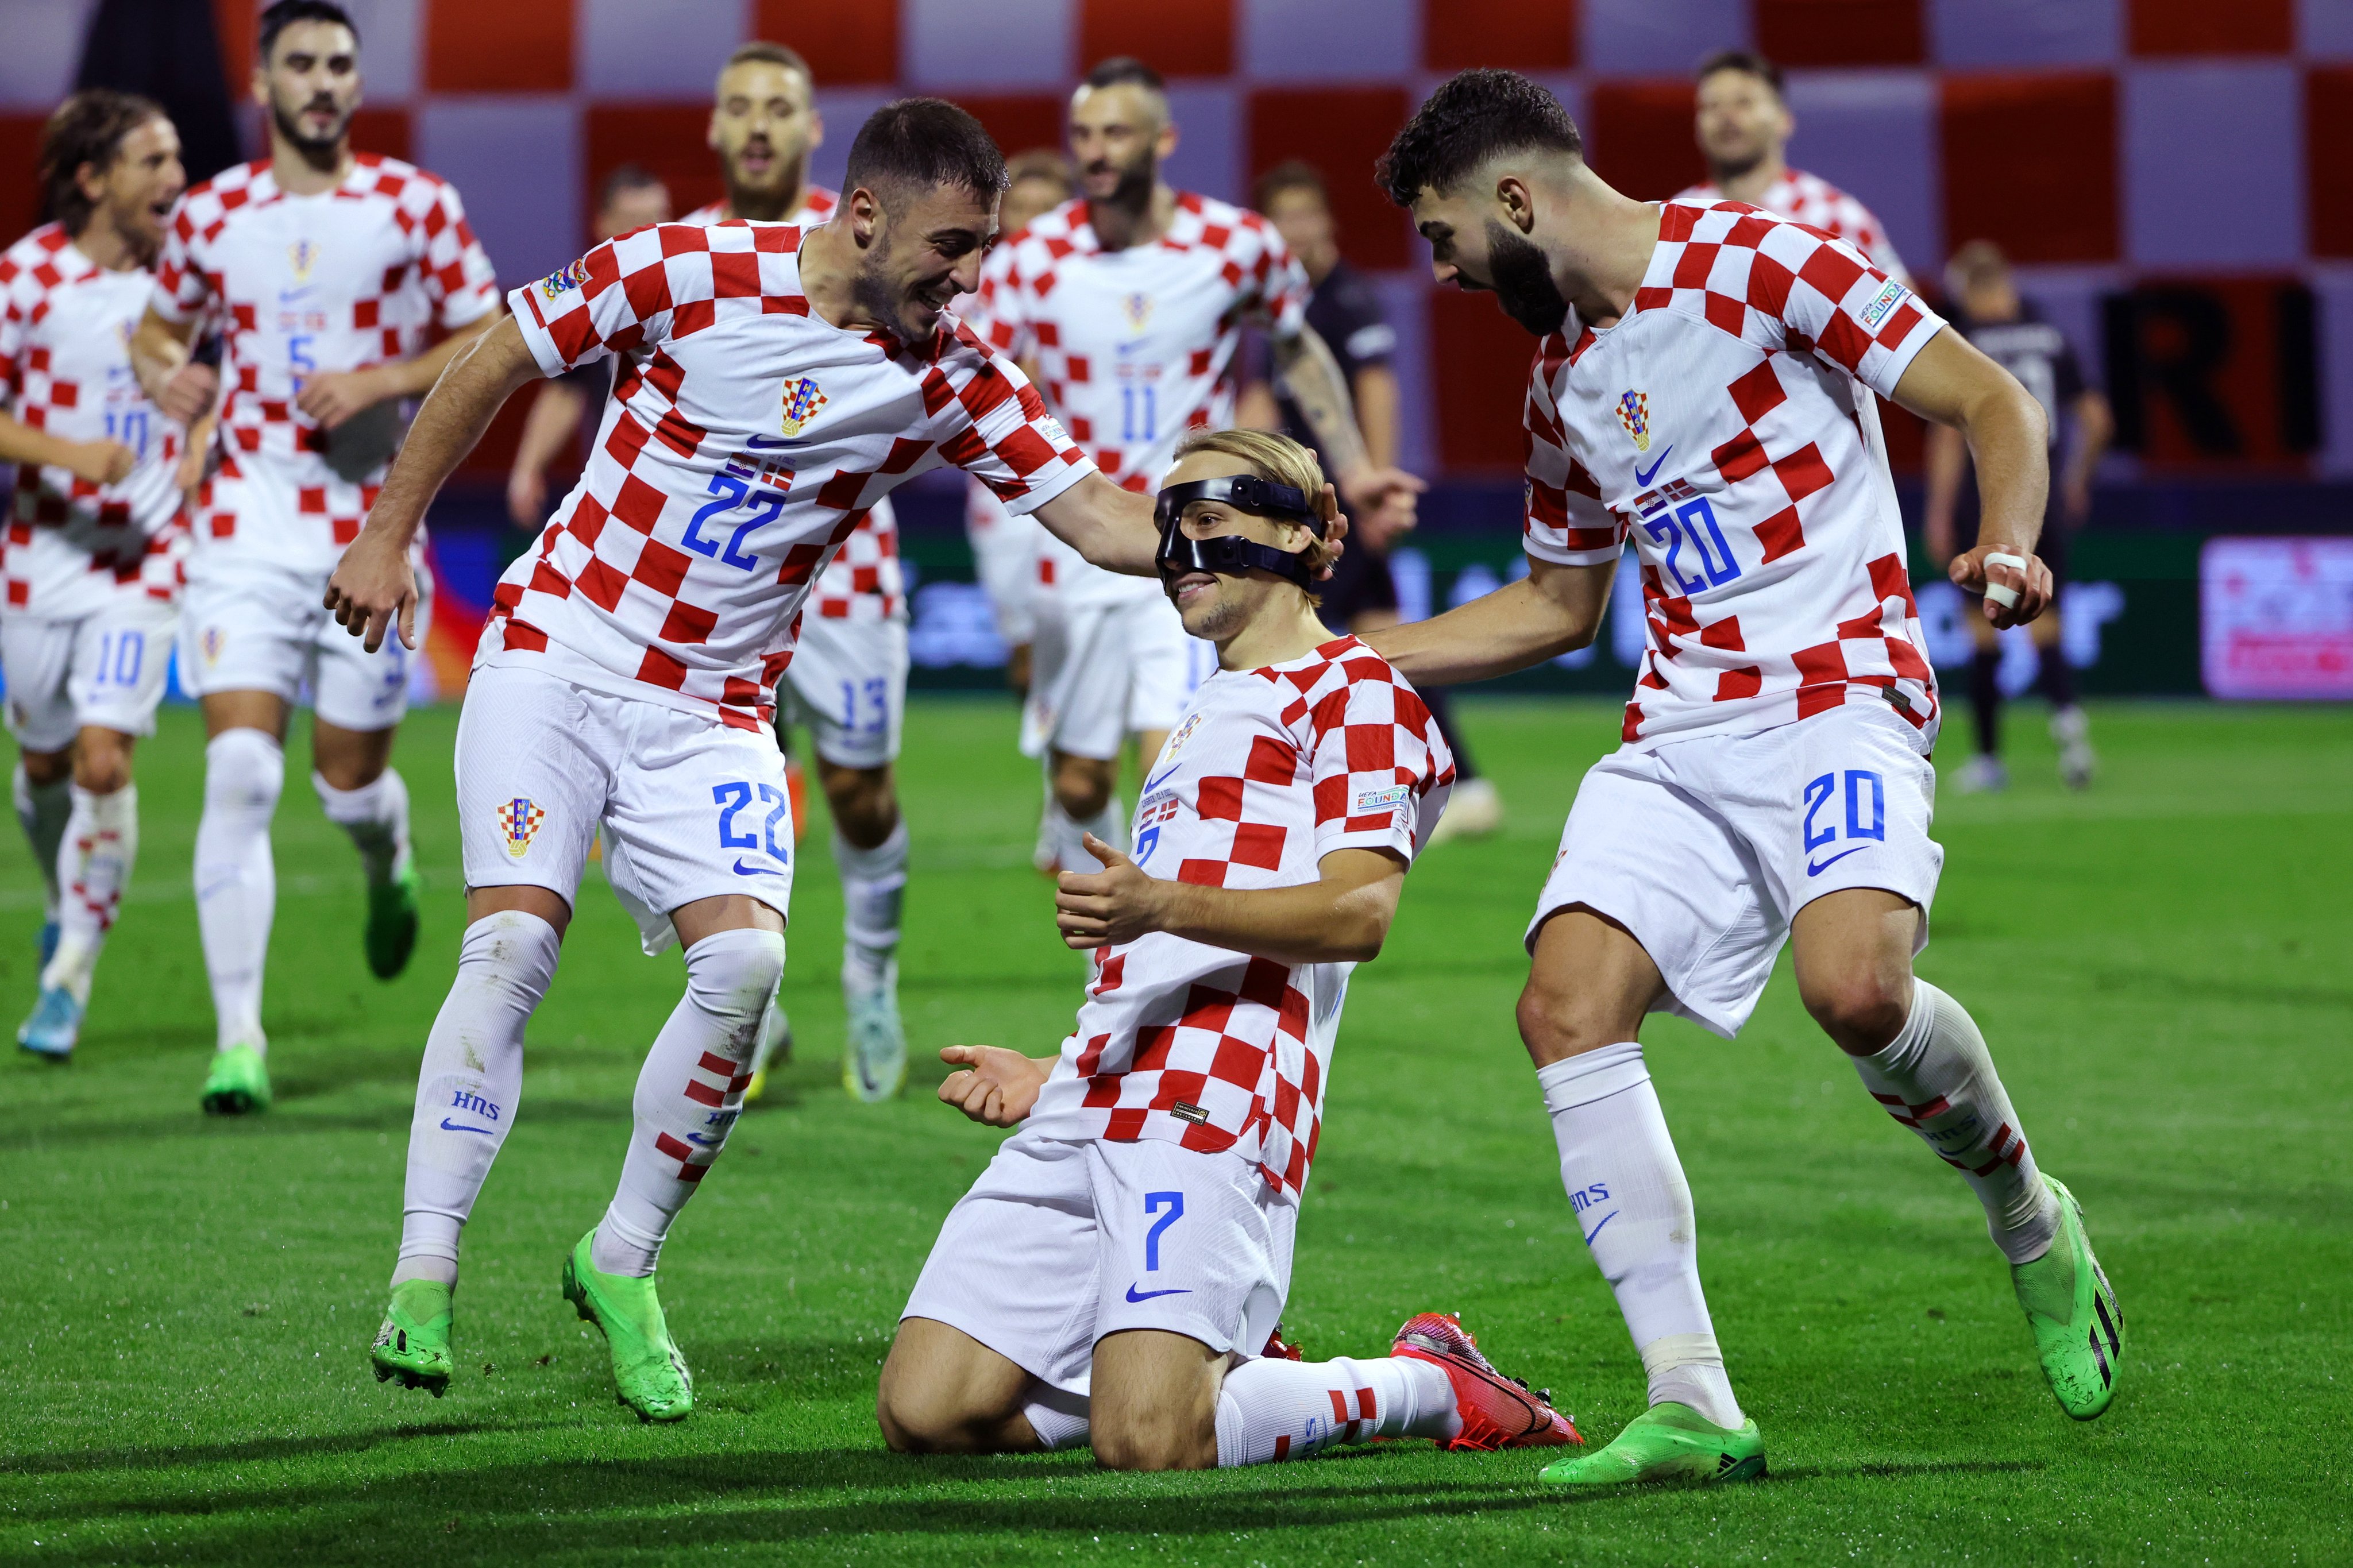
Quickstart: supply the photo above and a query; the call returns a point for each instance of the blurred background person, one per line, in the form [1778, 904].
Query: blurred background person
[1988, 309]
[1342, 308]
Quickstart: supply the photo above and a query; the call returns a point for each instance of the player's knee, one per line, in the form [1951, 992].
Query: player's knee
[43, 769]
[1859, 1007]
[1560, 1022]
[101, 761]
[730, 974]
[1082, 786]
[865, 807]
[244, 769]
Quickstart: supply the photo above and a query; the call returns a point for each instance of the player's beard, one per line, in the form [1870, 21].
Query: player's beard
[1133, 192]
[1524, 284]
[319, 152]
[775, 201]
[880, 299]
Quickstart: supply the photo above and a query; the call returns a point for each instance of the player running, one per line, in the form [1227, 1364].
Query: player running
[1128, 305]
[91, 565]
[1745, 126]
[1701, 389]
[326, 269]
[1107, 1278]
[775, 384]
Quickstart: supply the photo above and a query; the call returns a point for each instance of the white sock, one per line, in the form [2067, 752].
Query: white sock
[873, 893]
[376, 815]
[1060, 1419]
[1937, 1079]
[43, 811]
[468, 1085]
[1618, 1161]
[94, 858]
[1272, 1409]
[689, 1093]
[237, 881]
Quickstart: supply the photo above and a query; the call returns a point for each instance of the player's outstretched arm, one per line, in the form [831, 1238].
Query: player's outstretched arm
[372, 588]
[1113, 528]
[1552, 611]
[993, 1086]
[1343, 917]
[97, 462]
[1311, 373]
[1953, 384]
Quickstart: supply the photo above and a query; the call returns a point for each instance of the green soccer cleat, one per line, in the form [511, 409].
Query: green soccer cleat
[392, 923]
[874, 1064]
[774, 1049]
[413, 1344]
[648, 1372]
[2079, 1329]
[1668, 1442]
[239, 1083]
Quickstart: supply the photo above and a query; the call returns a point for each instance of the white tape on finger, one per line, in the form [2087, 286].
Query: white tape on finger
[2006, 598]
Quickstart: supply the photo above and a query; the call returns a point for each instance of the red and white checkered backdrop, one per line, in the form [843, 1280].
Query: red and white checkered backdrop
[2106, 144]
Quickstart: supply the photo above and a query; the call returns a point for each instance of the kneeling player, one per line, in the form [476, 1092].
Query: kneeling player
[1109, 1276]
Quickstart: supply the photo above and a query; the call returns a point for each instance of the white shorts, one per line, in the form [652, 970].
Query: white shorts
[1102, 672]
[848, 682]
[104, 670]
[690, 808]
[1706, 848]
[1062, 1242]
[246, 629]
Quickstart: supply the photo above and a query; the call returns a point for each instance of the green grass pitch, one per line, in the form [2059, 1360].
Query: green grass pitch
[2164, 967]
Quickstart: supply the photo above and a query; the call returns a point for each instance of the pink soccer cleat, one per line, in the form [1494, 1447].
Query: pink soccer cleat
[1497, 1412]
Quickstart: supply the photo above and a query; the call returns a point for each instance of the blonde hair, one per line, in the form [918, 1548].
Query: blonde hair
[1276, 457]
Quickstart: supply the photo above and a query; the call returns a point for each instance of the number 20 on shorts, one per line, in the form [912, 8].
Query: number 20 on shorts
[1866, 808]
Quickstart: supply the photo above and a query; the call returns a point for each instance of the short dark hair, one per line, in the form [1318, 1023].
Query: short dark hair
[1748, 62]
[627, 177]
[773, 54]
[286, 13]
[925, 141]
[1291, 174]
[1473, 116]
[1125, 68]
[86, 128]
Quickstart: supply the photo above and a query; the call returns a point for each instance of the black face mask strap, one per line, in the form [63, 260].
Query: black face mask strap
[1230, 553]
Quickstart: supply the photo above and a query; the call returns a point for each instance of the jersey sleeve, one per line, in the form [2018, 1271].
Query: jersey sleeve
[997, 312]
[1815, 291]
[1280, 290]
[1565, 522]
[1381, 768]
[621, 294]
[455, 269]
[182, 287]
[1001, 433]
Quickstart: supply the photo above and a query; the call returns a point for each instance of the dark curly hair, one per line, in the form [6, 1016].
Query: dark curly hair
[87, 128]
[1472, 116]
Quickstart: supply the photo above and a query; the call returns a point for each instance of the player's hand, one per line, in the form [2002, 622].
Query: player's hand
[1336, 521]
[333, 396]
[2031, 586]
[373, 589]
[190, 474]
[1117, 904]
[527, 497]
[101, 462]
[186, 394]
[996, 1087]
[1384, 497]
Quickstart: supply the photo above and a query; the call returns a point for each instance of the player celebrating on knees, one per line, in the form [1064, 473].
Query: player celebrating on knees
[326, 268]
[1128, 305]
[1703, 384]
[775, 384]
[92, 561]
[1109, 1276]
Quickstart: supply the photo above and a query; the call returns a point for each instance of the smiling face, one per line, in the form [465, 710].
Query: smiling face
[920, 247]
[136, 190]
[763, 126]
[1475, 245]
[1118, 135]
[1742, 121]
[1215, 607]
[310, 85]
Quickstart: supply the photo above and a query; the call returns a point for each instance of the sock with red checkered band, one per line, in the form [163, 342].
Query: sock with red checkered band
[1273, 1409]
[93, 867]
[689, 1092]
[1937, 1079]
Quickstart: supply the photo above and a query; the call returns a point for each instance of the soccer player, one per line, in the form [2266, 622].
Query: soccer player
[2014, 335]
[1702, 387]
[326, 268]
[89, 566]
[775, 384]
[1745, 124]
[1129, 304]
[1109, 1276]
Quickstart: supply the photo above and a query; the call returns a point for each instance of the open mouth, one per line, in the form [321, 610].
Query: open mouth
[757, 158]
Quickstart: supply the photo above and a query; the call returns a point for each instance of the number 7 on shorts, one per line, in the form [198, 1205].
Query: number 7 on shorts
[1153, 1203]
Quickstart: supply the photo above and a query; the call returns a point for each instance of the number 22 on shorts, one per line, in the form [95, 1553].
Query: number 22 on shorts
[735, 798]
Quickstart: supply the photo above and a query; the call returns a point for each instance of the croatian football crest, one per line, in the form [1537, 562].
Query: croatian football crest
[571, 274]
[211, 643]
[1139, 310]
[519, 822]
[302, 256]
[1634, 413]
[802, 400]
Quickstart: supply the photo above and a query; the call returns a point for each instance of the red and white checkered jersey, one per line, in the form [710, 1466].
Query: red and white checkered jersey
[1813, 201]
[863, 583]
[1136, 346]
[745, 440]
[342, 280]
[65, 368]
[1269, 770]
[1724, 423]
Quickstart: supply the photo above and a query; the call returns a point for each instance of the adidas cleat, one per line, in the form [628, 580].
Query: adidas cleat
[2079, 1329]
[391, 923]
[413, 1344]
[54, 1027]
[650, 1376]
[239, 1083]
[1497, 1412]
[1668, 1442]
[874, 1064]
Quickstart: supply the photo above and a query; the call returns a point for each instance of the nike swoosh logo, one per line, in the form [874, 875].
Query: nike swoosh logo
[1644, 476]
[1151, 784]
[459, 1127]
[1814, 870]
[743, 870]
[755, 439]
[1148, 1295]
[706, 1142]
[1596, 1229]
